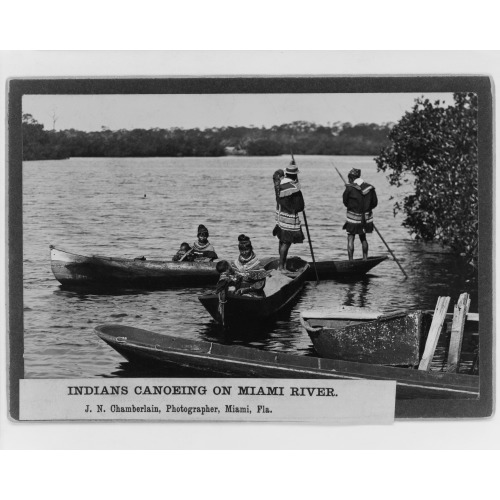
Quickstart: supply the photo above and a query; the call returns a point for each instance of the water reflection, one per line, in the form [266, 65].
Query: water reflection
[137, 370]
[356, 292]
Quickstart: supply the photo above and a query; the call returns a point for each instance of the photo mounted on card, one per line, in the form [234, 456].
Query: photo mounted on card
[314, 249]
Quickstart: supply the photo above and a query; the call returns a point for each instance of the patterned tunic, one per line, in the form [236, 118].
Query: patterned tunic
[252, 274]
[360, 199]
[290, 203]
[203, 252]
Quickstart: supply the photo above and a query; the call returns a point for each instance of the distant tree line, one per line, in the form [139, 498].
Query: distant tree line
[300, 137]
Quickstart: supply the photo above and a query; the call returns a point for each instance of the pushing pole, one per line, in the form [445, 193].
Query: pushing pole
[310, 245]
[308, 235]
[381, 237]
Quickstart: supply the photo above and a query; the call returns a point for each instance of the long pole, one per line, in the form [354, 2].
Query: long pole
[378, 232]
[310, 245]
[308, 236]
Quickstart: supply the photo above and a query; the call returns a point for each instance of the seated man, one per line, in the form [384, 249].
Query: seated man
[184, 253]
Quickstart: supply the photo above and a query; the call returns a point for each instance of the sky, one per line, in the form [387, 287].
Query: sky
[92, 112]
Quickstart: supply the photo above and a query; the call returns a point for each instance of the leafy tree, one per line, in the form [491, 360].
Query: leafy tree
[33, 137]
[437, 146]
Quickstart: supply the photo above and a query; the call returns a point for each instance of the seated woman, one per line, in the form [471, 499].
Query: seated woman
[249, 269]
[184, 253]
[203, 250]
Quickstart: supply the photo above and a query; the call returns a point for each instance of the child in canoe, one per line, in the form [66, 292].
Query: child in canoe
[184, 253]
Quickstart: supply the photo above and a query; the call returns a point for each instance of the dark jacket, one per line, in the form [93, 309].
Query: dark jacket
[360, 199]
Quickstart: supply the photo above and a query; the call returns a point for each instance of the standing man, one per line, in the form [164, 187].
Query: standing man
[360, 199]
[290, 203]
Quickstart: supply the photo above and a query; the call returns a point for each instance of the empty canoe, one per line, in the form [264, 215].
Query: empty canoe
[394, 339]
[173, 356]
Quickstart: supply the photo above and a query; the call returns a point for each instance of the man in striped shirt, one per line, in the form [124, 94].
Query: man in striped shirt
[360, 199]
[290, 202]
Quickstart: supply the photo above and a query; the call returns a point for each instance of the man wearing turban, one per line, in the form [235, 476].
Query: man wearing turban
[360, 199]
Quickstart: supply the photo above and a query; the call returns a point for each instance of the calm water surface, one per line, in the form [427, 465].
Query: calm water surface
[97, 206]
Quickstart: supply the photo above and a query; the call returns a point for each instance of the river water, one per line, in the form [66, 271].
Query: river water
[129, 207]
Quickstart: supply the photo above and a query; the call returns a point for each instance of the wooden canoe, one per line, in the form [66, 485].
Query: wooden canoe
[72, 270]
[279, 292]
[333, 269]
[354, 334]
[95, 271]
[176, 356]
[395, 339]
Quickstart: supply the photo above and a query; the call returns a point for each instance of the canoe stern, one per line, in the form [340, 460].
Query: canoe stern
[392, 340]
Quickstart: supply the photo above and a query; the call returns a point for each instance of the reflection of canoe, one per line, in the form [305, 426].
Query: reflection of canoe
[175, 355]
[279, 291]
[355, 334]
[100, 272]
[94, 271]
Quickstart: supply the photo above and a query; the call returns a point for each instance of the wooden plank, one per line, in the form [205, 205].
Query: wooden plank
[473, 317]
[457, 331]
[344, 313]
[435, 330]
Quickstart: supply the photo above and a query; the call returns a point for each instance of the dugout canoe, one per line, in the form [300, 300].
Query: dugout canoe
[358, 335]
[176, 356]
[279, 290]
[332, 269]
[95, 271]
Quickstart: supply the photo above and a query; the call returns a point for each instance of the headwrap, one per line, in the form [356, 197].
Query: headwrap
[244, 242]
[202, 229]
[355, 173]
[292, 168]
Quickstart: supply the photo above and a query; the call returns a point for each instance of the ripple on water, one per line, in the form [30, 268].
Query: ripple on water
[87, 219]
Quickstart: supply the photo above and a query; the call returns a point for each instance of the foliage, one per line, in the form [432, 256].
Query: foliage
[39, 144]
[300, 137]
[437, 145]
[263, 147]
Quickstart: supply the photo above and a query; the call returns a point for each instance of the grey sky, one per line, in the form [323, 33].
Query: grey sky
[91, 112]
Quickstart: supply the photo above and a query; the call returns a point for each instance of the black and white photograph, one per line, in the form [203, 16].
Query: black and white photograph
[308, 228]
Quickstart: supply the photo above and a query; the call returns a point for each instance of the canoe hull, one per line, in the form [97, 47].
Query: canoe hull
[394, 340]
[170, 354]
[242, 310]
[73, 270]
[332, 269]
[98, 272]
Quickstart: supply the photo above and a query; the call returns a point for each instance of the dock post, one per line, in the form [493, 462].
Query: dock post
[457, 332]
[435, 330]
